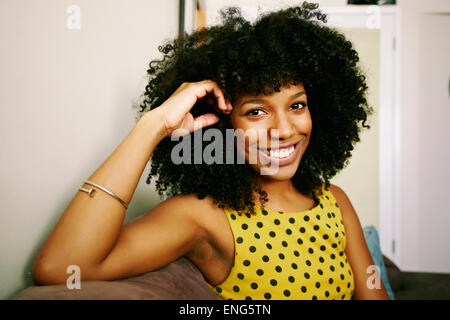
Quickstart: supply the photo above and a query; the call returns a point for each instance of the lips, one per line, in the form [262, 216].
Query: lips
[282, 155]
[281, 152]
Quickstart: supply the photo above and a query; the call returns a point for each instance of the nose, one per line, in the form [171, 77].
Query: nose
[282, 127]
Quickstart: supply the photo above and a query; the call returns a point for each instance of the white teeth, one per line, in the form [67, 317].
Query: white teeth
[281, 153]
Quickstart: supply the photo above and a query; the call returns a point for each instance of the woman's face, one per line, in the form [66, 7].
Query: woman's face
[276, 129]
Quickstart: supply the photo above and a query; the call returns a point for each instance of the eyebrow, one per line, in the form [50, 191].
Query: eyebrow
[298, 94]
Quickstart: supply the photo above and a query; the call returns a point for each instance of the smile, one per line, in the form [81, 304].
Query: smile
[281, 156]
[282, 153]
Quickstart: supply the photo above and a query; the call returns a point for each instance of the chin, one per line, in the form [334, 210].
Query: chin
[280, 173]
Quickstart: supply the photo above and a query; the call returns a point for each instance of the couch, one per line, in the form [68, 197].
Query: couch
[182, 280]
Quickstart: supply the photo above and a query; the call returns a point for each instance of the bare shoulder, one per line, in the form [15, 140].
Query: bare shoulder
[209, 218]
[213, 252]
[204, 212]
[338, 193]
[342, 199]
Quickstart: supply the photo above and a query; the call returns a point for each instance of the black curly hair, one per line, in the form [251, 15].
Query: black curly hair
[289, 46]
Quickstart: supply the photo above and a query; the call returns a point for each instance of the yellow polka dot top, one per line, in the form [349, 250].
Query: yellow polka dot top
[289, 255]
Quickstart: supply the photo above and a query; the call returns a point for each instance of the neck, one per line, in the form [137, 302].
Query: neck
[276, 189]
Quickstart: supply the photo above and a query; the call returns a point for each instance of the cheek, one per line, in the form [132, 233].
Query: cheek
[249, 130]
[304, 124]
[308, 125]
[236, 124]
[240, 122]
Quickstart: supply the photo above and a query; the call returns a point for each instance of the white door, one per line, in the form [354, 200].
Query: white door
[434, 142]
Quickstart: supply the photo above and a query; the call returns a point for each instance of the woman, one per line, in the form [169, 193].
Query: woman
[254, 233]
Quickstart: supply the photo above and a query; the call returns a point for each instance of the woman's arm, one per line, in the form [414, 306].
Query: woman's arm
[357, 252]
[90, 233]
[89, 227]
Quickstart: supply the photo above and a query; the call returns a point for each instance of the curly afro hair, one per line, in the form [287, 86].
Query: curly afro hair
[289, 46]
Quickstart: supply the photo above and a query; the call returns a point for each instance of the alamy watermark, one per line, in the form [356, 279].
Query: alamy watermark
[74, 280]
[374, 280]
[374, 19]
[230, 149]
[73, 21]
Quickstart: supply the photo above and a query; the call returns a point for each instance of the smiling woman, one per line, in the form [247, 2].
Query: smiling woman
[271, 227]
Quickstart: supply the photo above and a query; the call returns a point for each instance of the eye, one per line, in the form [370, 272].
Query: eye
[298, 105]
[254, 112]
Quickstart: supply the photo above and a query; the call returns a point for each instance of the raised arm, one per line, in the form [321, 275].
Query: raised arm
[90, 232]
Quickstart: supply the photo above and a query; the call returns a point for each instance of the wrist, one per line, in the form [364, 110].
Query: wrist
[154, 122]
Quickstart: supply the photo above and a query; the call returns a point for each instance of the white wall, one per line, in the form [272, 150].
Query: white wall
[414, 205]
[66, 103]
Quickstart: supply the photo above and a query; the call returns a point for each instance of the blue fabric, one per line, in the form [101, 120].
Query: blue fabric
[373, 242]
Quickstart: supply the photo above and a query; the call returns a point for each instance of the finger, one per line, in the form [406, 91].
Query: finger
[210, 86]
[205, 120]
[229, 105]
[220, 99]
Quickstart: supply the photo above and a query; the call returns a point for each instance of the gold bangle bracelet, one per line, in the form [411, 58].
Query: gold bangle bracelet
[91, 192]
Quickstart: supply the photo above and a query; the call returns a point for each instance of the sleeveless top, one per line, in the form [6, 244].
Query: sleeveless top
[289, 255]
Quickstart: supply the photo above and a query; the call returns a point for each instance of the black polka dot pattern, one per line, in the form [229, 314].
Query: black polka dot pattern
[289, 255]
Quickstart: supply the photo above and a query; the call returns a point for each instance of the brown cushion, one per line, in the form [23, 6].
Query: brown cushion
[179, 280]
